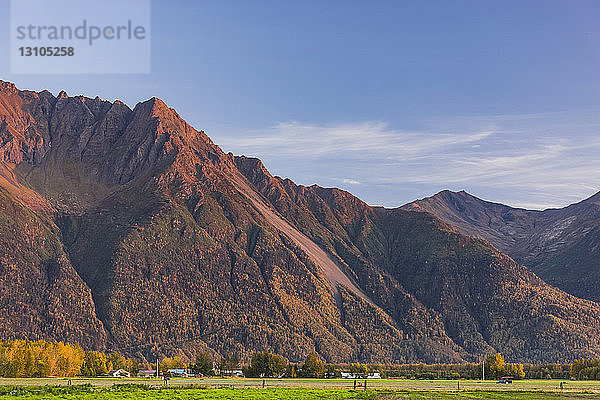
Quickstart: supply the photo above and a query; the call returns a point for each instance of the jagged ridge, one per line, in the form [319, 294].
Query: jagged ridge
[560, 245]
[185, 247]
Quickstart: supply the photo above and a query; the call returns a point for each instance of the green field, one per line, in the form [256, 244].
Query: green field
[293, 389]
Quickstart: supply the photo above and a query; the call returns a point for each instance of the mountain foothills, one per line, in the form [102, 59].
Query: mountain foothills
[562, 246]
[129, 230]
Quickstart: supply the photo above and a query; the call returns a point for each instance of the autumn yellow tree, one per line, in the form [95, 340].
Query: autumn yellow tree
[25, 359]
[171, 363]
[95, 364]
[313, 367]
[495, 365]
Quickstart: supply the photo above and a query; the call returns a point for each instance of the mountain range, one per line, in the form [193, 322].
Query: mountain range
[127, 229]
[562, 246]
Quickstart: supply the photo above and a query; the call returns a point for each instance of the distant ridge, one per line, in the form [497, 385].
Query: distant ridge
[560, 245]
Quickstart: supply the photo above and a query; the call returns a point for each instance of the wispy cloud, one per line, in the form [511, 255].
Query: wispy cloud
[529, 160]
[371, 138]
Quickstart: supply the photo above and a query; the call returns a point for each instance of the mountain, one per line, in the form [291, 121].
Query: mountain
[562, 246]
[127, 229]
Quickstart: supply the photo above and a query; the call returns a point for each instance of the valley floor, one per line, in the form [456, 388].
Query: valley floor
[296, 389]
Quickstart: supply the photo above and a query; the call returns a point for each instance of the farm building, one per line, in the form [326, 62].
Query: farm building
[119, 373]
[147, 373]
[179, 373]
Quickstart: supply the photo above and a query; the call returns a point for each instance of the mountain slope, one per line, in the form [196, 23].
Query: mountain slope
[41, 295]
[482, 298]
[560, 245]
[176, 255]
[181, 246]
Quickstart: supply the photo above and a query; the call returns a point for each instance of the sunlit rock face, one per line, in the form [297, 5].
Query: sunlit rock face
[127, 229]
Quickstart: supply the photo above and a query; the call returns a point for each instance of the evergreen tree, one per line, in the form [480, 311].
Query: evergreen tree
[229, 363]
[203, 364]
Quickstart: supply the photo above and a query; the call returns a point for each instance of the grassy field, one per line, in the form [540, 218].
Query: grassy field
[293, 389]
[345, 384]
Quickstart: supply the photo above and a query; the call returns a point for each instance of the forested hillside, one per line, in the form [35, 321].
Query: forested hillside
[560, 245]
[127, 229]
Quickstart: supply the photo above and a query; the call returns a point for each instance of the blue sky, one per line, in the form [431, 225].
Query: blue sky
[391, 100]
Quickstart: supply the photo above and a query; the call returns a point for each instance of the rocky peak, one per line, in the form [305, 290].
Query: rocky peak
[91, 127]
[153, 107]
[159, 108]
[7, 87]
[152, 119]
[252, 168]
[340, 199]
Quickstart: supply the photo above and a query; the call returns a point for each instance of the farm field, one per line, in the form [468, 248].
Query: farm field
[396, 384]
[296, 389]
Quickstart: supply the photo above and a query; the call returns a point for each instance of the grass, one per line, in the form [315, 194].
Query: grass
[287, 389]
[179, 393]
[499, 395]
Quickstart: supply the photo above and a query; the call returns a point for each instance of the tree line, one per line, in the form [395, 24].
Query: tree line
[272, 365]
[24, 359]
[586, 369]
[40, 359]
